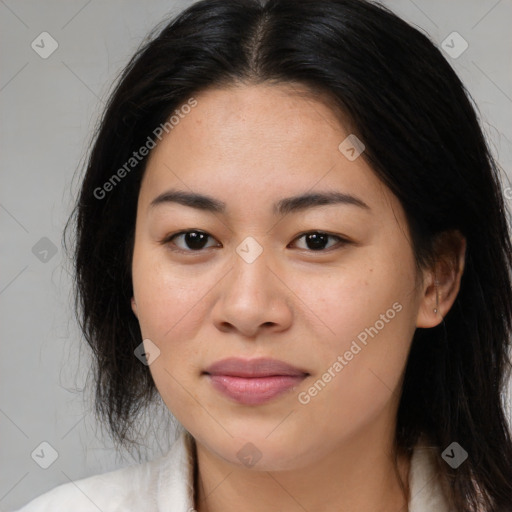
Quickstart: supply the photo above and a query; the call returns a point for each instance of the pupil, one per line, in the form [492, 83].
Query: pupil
[195, 240]
[316, 240]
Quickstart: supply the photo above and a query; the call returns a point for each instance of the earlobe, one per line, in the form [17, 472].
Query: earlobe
[134, 307]
[431, 311]
[443, 283]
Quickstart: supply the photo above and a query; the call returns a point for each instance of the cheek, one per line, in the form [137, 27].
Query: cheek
[339, 305]
[167, 296]
[169, 307]
[369, 317]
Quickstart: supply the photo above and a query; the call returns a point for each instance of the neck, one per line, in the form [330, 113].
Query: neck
[359, 474]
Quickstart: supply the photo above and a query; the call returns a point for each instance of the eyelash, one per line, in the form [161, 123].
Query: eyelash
[168, 240]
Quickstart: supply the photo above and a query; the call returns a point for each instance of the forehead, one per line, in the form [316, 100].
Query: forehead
[252, 118]
[260, 142]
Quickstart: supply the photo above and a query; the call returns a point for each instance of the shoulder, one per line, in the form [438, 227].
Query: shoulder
[136, 487]
[108, 491]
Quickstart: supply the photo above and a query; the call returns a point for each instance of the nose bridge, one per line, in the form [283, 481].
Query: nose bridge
[251, 266]
[251, 296]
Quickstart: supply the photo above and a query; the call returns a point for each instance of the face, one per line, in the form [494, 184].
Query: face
[326, 287]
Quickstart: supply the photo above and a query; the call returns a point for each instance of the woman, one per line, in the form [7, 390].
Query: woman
[291, 229]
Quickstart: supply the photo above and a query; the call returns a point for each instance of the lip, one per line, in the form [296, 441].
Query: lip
[253, 381]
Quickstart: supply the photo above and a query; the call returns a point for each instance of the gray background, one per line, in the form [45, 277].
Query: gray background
[48, 108]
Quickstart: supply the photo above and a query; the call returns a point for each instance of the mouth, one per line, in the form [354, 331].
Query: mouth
[253, 381]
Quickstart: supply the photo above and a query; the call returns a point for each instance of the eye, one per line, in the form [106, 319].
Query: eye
[318, 240]
[194, 240]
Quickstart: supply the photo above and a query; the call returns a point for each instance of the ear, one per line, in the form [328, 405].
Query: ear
[442, 283]
[134, 307]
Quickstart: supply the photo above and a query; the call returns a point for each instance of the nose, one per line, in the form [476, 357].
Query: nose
[253, 298]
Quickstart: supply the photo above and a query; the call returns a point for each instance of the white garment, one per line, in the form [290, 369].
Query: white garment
[166, 484]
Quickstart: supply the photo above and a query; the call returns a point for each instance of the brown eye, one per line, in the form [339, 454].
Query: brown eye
[192, 240]
[318, 240]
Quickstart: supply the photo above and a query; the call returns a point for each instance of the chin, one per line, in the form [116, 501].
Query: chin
[257, 451]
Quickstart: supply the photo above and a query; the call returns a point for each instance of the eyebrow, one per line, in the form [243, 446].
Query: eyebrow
[282, 207]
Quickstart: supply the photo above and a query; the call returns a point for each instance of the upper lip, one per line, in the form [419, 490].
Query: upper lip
[261, 367]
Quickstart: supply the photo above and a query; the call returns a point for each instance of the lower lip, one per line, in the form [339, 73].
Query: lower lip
[254, 390]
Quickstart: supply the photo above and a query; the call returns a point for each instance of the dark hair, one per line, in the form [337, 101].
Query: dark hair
[423, 140]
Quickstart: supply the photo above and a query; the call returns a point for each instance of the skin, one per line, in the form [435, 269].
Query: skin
[250, 146]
